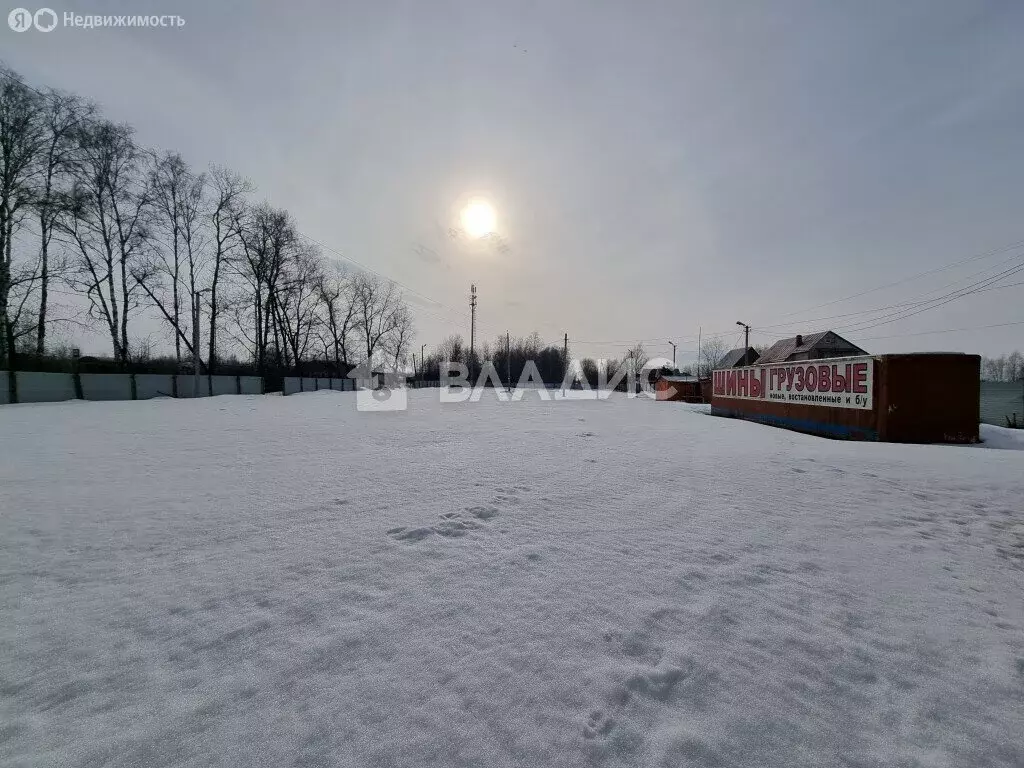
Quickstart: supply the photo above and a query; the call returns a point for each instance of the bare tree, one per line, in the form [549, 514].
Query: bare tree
[63, 114]
[1015, 366]
[108, 226]
[378, 305]
[22, 137]
[452, 349]
[636, 359]
[268, 239]
[396, 344]
[297, 300]
[337, 309]
[227, 208]
[177, 198]
[712, 350]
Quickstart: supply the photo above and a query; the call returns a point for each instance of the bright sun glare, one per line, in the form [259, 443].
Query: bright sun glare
[478, 218]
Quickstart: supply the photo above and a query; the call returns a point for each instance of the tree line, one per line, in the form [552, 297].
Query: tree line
[86, 211]
[511, 357]
[1003, 368]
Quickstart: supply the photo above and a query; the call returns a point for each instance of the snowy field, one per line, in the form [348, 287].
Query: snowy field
[268, 581]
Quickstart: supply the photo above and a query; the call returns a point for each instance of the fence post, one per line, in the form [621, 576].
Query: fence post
[316, 384]
[238, 384]
[12, 385]
[301, 385]
[135, 390]
[76, 381]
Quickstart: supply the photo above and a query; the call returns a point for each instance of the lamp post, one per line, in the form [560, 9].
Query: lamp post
[673, 354]
[746, 340]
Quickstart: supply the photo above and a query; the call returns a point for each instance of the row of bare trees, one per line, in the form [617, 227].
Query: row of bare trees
[511, 356]
[85, 212]
[1003, 368]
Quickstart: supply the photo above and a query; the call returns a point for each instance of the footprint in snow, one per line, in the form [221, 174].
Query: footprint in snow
[410, 535]
[598, 724]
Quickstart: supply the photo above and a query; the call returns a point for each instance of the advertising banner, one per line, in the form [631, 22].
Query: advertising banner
[835, 383]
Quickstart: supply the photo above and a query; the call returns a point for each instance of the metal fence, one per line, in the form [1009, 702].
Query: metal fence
[292, 385]
[295, 384]
[1000, 400]
[38, 387]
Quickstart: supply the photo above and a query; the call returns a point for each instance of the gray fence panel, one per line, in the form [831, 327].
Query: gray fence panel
[252, 385]
[308, 384]
[4, 388]
[1000, 399]
[290, 385]
[186, 385]
[224, 385]
[36, 387]
[150, 385]
[106, 386]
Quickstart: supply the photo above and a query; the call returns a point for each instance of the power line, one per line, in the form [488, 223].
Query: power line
[901, 311]
[941, 301]
[945, 330]
[911, 303]
[986, 254]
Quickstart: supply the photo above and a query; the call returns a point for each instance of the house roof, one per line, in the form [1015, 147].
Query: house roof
[782, 349]
[734, 356]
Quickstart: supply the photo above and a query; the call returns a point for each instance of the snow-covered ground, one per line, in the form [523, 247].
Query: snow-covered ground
[268, 581]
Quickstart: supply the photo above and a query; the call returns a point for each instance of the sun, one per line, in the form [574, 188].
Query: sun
[478, 218]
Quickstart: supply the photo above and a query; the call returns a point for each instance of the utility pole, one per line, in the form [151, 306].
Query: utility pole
[508, 361]
[698, 351]
[746, 340]
[195, 344]
[673, 354]
[565, 362]
[472, 330]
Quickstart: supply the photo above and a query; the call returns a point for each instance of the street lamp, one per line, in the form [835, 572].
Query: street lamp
[673, 354]
[746, 339]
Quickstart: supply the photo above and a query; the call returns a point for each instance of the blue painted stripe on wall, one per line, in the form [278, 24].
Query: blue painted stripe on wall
[802, 425]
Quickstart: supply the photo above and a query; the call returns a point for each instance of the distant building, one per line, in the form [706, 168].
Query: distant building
[736, 358]
[813, 346]
[678, 386]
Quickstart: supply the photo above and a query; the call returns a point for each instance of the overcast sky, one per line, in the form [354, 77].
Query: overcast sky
[655, 166]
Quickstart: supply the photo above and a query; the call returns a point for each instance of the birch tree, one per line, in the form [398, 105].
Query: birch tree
[22, 138]
[107, 225]
[63, 115]
[337, 307]
[226, 210]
